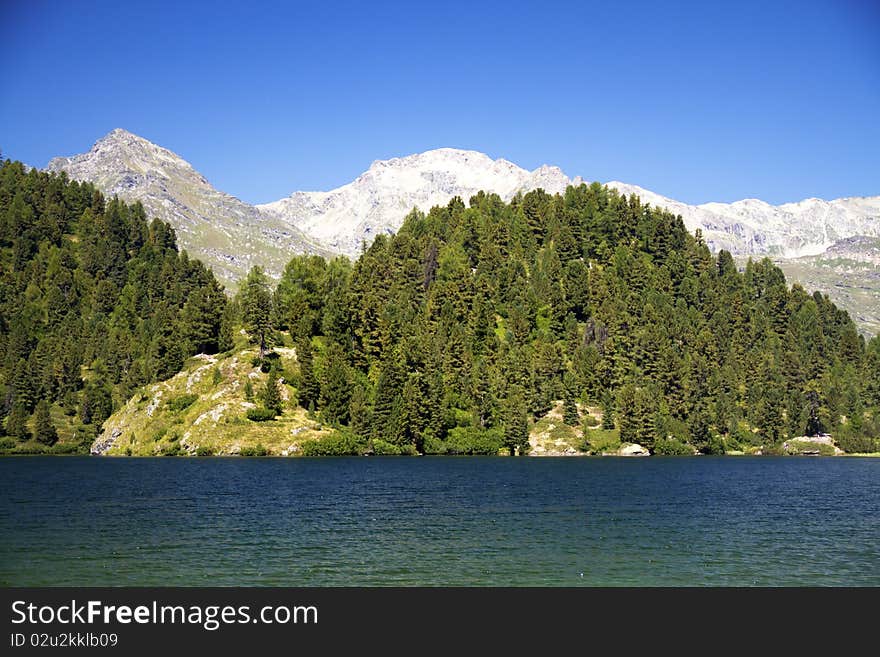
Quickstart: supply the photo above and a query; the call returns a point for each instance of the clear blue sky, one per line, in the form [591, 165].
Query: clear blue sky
[775, 100]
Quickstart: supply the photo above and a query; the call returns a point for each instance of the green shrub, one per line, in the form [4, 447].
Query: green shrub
[256, 450]
[433, 445]
[7, 443]
[670, 427]
[474, 440]
[267, 361]
[216, 376]
[337, 444]
[590, 421]
[715, 445]
[261, 414]
[384, 448]
[172, 450]
[672, 447]
[160, 434]
[68, 448]
[853, 443]
[181, 403]
[458, 417]
[805, 446]
[204, 450]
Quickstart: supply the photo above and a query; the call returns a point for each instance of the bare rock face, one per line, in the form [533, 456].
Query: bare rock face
[104, 442]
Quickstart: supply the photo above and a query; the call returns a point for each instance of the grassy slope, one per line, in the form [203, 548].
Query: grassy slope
[550, 436]
[215, 422]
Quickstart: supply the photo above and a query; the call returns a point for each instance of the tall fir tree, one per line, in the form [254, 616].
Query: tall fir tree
[271, 397]
[256, 305]
[44, 428]
[309, 390]
[516, 422]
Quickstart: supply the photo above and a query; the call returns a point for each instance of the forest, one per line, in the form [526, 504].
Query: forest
[95, 301]
[452, 336]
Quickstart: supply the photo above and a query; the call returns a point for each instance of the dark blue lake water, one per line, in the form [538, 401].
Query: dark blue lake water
[440, 521]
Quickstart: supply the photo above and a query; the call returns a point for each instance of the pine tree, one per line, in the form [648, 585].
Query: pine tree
[248, 390]
[570, 411]
[16, 423]
[335, 387]
[256, 305]
[309, 389]
[270, 396]
[627, 414]
[359, 412]
[607, 411]
[516, 422]
[44, 429]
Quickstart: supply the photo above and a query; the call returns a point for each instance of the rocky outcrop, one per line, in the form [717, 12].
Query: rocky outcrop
[105, 441]
[812, 445]
[633, 449]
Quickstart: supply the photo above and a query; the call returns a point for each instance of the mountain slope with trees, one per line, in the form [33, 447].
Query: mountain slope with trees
[95, 301]
[457, 335]
[458, 332]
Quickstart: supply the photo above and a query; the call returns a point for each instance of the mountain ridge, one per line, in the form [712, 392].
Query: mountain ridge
[231, 235]
[212, 225]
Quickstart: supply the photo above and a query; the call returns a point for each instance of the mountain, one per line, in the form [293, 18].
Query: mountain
[849, 272]
[753, 227]
[378, 200]
[223, 231]
[231, 235]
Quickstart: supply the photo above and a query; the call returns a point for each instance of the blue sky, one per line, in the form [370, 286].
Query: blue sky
[775, 100]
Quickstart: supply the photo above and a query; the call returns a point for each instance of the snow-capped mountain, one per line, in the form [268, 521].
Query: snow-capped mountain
[231, 235]
[378, 200]
[753, 227]
[221, 230]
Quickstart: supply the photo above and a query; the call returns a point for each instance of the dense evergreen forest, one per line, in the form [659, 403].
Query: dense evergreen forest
[451, 336]
[460, 330]
[95, 301]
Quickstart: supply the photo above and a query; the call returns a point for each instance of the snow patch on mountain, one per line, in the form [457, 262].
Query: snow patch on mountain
[379, 199]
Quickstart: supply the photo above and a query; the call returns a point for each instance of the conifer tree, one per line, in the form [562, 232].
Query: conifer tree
[270, 396]
[256, 305]
[309, 389]
[359, 412]
[516, 422]
[44, 428]
[335, 387]
[570, 412]
[16, 423]
[607, 411]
